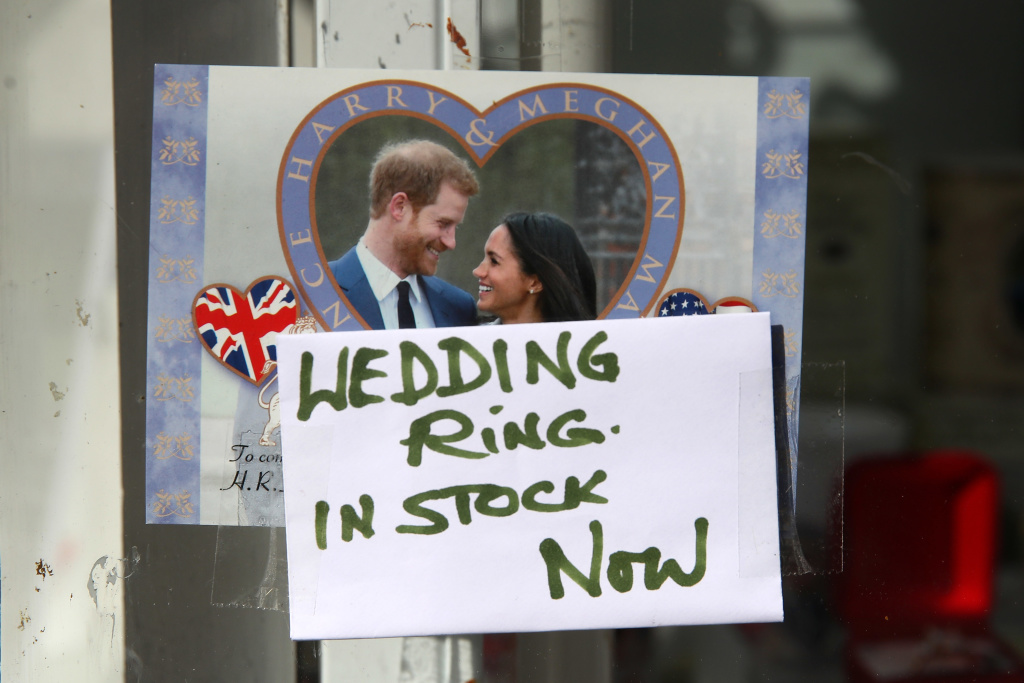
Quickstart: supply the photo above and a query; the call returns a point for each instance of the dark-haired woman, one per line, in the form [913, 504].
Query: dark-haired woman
[536, 270]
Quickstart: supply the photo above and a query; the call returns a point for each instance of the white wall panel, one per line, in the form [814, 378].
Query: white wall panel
[61, 556]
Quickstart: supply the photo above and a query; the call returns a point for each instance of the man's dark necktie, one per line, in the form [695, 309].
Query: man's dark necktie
[406, 320]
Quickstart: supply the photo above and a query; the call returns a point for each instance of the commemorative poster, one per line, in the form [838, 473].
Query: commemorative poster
[687, 192]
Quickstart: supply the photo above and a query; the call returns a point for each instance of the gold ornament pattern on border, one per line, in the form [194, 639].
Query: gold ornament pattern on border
[180, 151]
[174, 388]
[779, 105]
[790, 343]
[167, 447]
[181, 92]
[178, 211]
[783, 165]
[779, 284]
[171, 269]
[174, 330]
[168, 504]
[781, 225]
[791, 400]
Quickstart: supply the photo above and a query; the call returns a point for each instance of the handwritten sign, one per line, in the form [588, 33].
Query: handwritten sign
[530, 477]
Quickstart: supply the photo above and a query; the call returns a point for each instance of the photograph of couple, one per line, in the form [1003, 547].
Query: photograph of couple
[512, 244]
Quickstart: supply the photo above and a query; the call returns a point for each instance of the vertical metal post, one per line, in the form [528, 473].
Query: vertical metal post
[174, 629]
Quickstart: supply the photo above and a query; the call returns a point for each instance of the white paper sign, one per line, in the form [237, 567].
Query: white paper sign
[530, 477]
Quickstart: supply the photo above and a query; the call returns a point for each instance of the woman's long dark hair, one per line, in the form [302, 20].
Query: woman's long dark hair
[547, 246]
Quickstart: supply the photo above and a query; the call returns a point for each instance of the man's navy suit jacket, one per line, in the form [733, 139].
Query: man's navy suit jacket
[450, 306]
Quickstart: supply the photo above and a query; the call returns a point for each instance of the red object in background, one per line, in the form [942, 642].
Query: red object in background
[920, 536]
[499, 658]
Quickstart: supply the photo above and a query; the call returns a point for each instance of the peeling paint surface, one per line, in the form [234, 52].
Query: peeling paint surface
[403, 35]
[57, 395]
[105, 585]
[83, 317]
[457, 38]
[43, 569]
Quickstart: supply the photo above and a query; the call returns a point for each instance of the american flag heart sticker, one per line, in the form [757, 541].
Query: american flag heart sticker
[240, 329]
[691, 302]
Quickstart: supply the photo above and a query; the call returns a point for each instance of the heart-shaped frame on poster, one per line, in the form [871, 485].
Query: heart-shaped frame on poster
[307, 235]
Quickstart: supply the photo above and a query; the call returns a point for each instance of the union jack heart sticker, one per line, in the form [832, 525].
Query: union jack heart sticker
[240, 329]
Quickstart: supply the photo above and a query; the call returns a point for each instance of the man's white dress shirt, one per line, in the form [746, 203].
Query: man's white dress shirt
[384, 283]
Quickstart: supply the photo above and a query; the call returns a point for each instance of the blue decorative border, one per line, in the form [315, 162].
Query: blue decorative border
[780, 219]
[480, 134]
[176, 234]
